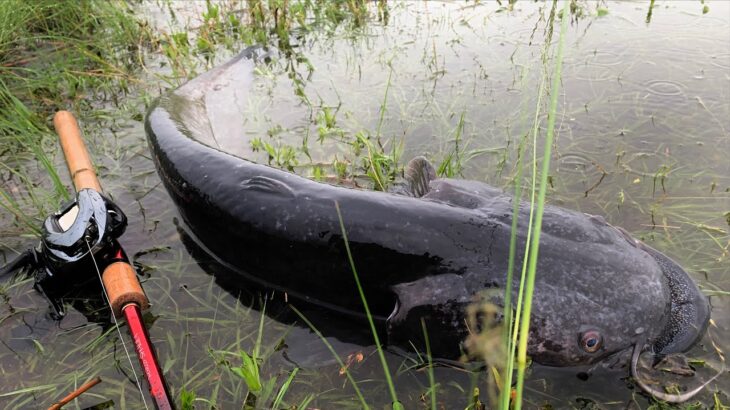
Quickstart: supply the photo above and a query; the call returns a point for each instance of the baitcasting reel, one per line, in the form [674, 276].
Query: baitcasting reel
[76, 241]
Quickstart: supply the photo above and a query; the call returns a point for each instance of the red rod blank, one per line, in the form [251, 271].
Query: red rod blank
[146, 355]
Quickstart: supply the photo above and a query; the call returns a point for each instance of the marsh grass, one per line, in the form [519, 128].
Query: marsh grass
[540, 203]
[373, 158]
[53, 54]
[509, 338]
[514, 337]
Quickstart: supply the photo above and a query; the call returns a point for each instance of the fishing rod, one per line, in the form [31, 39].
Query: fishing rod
[81, 239]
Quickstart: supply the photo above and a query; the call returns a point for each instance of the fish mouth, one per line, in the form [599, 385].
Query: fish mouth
[689, 311]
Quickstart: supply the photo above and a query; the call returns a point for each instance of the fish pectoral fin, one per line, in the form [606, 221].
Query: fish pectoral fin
[438, 302]
[419, 174]
[266, 184]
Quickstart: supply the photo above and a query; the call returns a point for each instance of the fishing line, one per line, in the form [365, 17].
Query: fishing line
[116, 324]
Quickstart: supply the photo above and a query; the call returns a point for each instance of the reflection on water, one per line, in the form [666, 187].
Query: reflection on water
[643, 139]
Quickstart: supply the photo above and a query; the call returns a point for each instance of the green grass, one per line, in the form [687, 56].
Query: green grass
[261, 391]
[337, 357]
[379, 347]
[54, 55]
[529, 283]
[509, 338]
[514, 336]
[431, 377]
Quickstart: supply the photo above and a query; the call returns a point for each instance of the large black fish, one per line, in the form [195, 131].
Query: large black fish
[425, 253]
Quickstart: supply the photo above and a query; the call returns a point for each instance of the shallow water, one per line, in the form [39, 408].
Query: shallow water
[643, 140]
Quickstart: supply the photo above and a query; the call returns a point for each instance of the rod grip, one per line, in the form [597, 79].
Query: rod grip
[77, 157]
[122, 287]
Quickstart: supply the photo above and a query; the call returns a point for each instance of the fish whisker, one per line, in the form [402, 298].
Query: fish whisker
[667, 397]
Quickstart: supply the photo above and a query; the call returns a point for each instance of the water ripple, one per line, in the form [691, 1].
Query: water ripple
[665, 87]
[721, 60]
[603, 58]
[575, 163]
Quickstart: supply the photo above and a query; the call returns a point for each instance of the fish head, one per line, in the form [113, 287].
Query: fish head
[596, 303]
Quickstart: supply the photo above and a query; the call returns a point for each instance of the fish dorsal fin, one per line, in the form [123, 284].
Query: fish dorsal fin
[419, 174]
[266, 184]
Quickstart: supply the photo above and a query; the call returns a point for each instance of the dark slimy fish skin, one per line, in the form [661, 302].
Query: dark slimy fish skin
[426, 255]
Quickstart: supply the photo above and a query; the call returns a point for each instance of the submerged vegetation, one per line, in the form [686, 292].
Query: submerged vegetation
[105, 61]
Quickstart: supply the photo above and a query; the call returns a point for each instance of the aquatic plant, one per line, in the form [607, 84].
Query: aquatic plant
[260, 391]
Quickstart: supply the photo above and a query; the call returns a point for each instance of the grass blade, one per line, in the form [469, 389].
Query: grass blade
[532, 264]
[431, 379]
[284, 388]
[378, 346]
[335, 355]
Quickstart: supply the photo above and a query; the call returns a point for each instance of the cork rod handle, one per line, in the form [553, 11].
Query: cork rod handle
[123, 287]
[120, 279]
[79, 163]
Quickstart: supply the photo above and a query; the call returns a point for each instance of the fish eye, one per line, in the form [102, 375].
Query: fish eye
[591, 341]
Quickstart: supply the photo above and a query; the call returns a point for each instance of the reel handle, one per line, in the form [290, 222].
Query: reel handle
[78, 160]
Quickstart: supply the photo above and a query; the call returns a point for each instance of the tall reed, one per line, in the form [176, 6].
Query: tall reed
[529, 283]
[510, 323]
